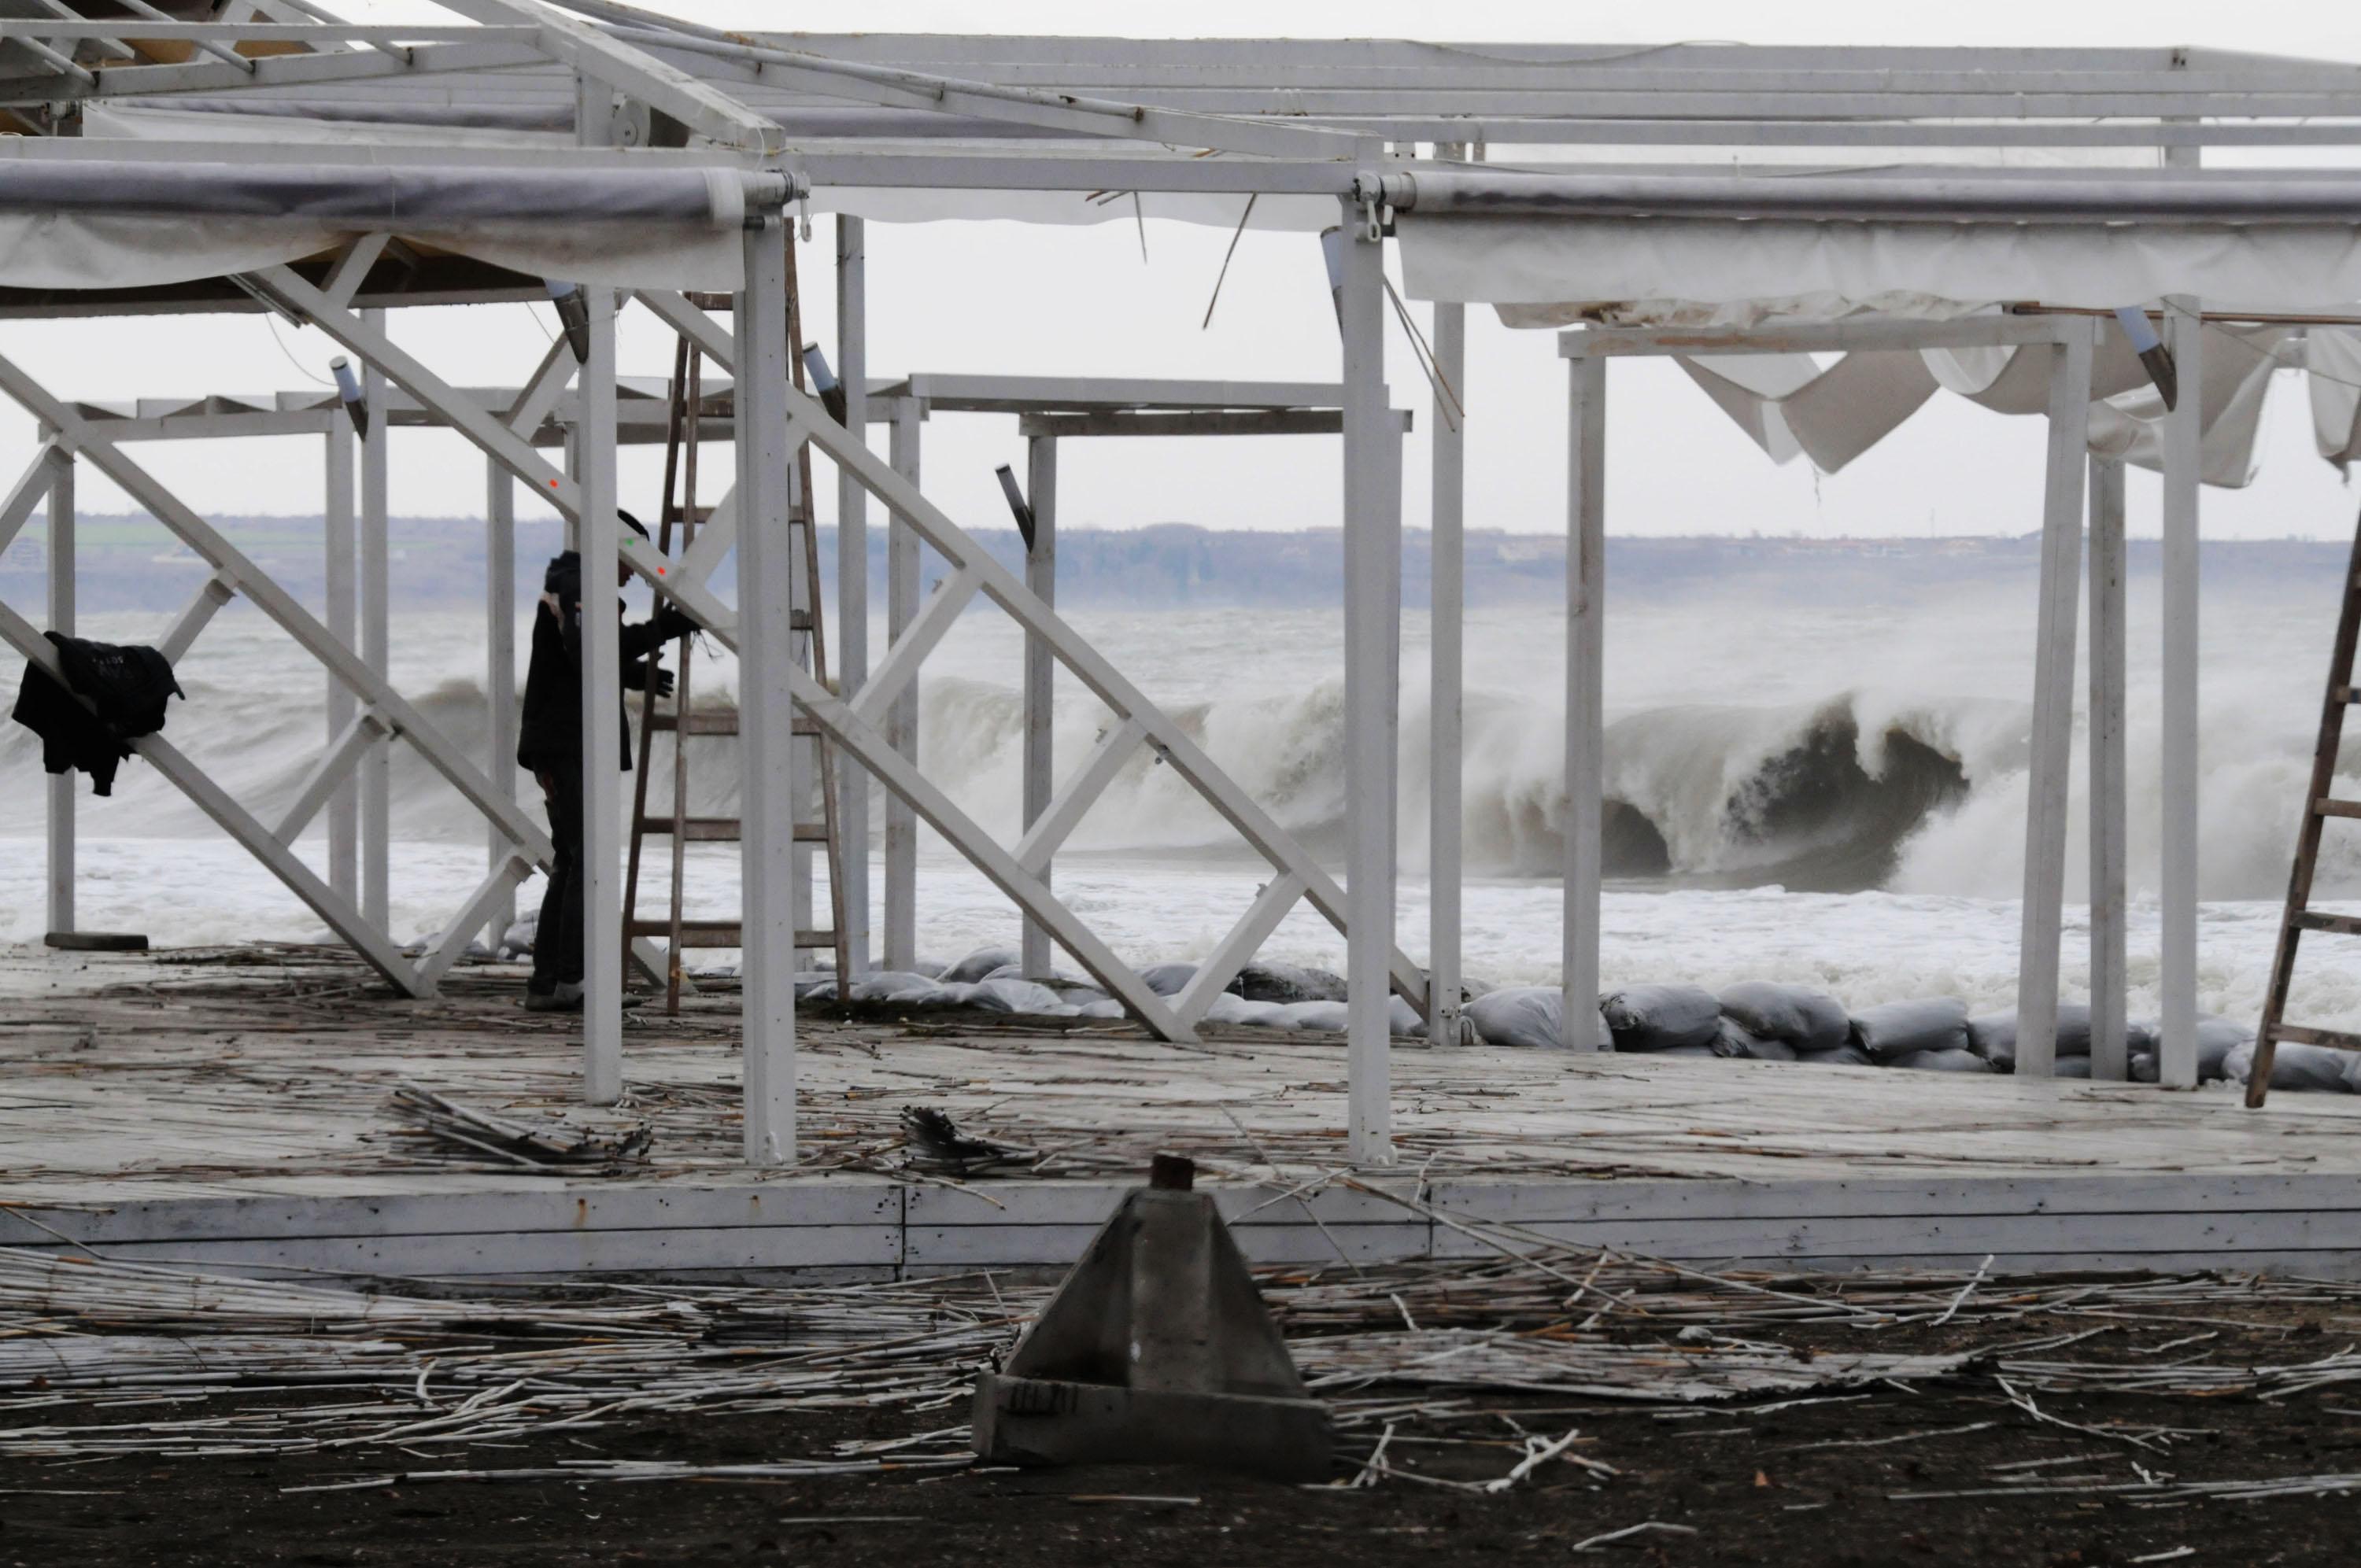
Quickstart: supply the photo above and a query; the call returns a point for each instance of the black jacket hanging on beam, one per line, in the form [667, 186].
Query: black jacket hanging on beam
[127, 688]
[549, 722]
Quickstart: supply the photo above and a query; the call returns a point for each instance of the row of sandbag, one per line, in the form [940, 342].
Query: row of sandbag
[1765, 1021]
[1276, 996]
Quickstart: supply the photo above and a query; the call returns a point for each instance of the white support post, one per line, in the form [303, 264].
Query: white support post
[766, 671]
[2184, 432]
[61, 547]
[1372, 658]
[1585, 649]
[342, 564]
[2108, 1058]
[852, 575]
[2050, 772]
[376, 775]
[1447, 600]
[1040, 672]
[602, 718]
[902, 718]
[500, 676]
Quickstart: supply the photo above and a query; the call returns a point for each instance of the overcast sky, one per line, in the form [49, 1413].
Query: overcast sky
[996, 297]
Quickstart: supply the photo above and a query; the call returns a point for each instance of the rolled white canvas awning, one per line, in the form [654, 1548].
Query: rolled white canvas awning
[93, 224]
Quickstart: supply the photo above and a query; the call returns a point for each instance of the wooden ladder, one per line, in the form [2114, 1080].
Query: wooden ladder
[683, 722]
[2320, 803]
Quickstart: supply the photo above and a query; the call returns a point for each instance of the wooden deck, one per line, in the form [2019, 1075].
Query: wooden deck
[234, 1109]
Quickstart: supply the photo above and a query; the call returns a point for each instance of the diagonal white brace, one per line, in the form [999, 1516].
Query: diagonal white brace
[1259, 829]
[550, 380]
[352, 268]
[471, 918]
[867, 745]
[716, 537]
[900, 665]
[31, 489]
[327, 775]
[1078, 794]
[1278, 895]
[341, 914]
[215, 592]
[488, 433]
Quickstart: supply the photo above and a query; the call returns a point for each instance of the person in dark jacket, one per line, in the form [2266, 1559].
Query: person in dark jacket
[549, 743]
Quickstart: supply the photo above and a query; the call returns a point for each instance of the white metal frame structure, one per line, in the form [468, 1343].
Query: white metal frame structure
[159, 118]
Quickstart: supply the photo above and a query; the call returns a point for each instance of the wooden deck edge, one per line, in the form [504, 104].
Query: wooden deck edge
[872, 1227]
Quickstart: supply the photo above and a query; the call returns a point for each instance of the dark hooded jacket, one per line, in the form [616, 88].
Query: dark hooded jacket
[549, 727]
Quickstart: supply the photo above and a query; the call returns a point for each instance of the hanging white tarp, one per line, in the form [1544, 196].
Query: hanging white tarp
[84, 224]
[1792, 406]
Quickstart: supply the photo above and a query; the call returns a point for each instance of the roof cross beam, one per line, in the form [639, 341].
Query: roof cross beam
[704, 108]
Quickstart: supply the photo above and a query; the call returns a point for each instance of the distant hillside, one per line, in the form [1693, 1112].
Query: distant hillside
[129, 562]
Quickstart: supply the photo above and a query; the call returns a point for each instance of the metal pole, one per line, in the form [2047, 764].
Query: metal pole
[1447, 601]
[1040, 671]
[1586, 648]
[376, 778]
[766, 703]
[342, 545]
[1372, 651]
[853, 572]
[2184, 434]
[61, 547]
[602, 721]
[2048, 774]
[902, 718]
[500, 670]
[2107, 830]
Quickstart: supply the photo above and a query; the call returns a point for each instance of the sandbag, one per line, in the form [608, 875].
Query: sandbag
[1993, 1036]
[1905, 1028]
[1843, 1056]
[1530, 1015]
[1328, 1017]
[1110, 1008]
[1168, 979]
[889, 985]
[1230, 1009]
[1702, 1053]
[1661, 1017]
[2316, 1069]
[1056, 980]
[1793, 1014]
[2217, 1038]
[1744, 1045]
[1954, 1059]
[977, 964]
[1288, 982]
[1014, 996]
[816, 985]
[1402, 1021]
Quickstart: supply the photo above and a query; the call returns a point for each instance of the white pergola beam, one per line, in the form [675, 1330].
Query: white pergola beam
[766, 693]
[2108, 946]
[2049, 780]
[2184, 431]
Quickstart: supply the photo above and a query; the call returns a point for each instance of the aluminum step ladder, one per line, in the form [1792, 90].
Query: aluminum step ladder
[682, 721]
[2320, 803]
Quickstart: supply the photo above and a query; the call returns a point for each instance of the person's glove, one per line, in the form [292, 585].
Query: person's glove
[659, 681]
[672, 622]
